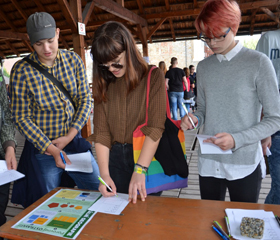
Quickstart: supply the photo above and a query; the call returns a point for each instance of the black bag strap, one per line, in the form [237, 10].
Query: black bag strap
[52, 78]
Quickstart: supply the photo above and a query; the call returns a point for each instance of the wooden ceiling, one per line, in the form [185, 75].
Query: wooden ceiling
[148, 20]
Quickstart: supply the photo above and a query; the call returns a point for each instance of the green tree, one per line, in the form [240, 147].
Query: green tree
[251, 43]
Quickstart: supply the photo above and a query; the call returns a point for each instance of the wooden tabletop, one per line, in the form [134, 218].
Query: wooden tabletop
[156, 218]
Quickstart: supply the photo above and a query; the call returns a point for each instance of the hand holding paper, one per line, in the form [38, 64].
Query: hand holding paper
[223, 140]
[208, 147]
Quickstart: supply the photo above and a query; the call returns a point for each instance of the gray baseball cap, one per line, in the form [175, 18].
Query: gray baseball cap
[40, 26]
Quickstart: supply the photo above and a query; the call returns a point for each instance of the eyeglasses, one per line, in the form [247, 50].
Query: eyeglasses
[218, 39]
[114, 65]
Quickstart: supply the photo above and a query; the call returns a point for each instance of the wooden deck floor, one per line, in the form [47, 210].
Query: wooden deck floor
[191, 192]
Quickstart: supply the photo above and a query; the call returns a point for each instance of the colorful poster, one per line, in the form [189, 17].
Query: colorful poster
[64, 214]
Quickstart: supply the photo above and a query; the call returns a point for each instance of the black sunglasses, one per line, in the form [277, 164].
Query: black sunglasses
[114, 65]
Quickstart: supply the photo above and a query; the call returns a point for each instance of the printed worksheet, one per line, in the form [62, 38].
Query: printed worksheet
[6, 175]
[271, 227]
[111, 205]
[81, 162]
[210, 148]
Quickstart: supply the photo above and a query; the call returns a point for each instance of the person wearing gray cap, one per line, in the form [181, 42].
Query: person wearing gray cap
[49, 116]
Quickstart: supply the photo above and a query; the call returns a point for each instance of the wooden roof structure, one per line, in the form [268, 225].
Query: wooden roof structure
[148, 20]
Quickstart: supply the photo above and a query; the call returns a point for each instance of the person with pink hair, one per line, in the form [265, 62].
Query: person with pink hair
[231, 92]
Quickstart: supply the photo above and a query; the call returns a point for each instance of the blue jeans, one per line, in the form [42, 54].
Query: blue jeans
[52, 174]
[176, 99]
[273, 196]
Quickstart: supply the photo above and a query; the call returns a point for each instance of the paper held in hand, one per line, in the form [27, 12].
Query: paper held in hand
[6, 175]
[210, 148]
[81, 162]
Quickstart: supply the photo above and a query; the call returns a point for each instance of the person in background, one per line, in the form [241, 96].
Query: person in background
[119, 90]
[189, 99]
[269, 44]
[227, 79]
[173, 79]
[194, 81]
[7, 147]
[47, 119]
[162, 66]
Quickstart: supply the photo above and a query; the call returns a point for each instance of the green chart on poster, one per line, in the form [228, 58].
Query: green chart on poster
[64, 214]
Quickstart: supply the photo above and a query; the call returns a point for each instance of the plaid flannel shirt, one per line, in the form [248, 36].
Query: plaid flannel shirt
[41, 112]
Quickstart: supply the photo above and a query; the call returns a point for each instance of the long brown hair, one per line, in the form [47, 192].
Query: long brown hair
[162, 66]
[110, 40]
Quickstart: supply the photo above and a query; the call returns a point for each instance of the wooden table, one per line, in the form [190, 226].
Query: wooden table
[156, 218]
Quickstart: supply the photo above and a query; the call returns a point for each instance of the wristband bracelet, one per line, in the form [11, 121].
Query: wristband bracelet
[138, 168]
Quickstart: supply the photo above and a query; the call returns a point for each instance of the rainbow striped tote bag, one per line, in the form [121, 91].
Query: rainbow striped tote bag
[172, 175]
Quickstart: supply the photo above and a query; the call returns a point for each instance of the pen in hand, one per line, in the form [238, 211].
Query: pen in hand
[62, 157]
[104, 183]
[186, 110]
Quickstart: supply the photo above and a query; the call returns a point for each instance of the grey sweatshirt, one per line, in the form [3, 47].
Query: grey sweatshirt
[231, 95]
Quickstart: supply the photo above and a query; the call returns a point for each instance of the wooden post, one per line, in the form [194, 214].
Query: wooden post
[78, 44]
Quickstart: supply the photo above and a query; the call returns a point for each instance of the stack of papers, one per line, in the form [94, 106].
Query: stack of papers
[6, 175]
[271, 227]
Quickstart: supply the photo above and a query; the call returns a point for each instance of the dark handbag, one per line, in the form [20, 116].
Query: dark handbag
[166, 172]
[52, 78]
[188, 94]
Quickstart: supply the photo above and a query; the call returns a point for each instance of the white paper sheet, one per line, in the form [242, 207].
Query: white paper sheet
[6, 175]
[111, 205]
[271, 227]
[81, 162]
[210, 148]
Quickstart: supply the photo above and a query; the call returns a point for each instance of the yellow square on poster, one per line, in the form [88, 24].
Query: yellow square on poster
[68, 194]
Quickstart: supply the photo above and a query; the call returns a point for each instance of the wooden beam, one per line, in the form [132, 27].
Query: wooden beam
[172, 29]
[40, 6]
[117, 10]
[121, 2]
[27, 43]
[270, 14]
[196, 10]
[257, 4]
[167, 6]
[20, 10]
[13, 35]
[140, 6]
[156, 27]
[87, 12]
[8, 43]
[7, 20]
[64, 5]
[253, 19]
[195, 3]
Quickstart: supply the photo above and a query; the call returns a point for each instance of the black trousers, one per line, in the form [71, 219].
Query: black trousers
[4, 198]
[242, 190]
[121, 166]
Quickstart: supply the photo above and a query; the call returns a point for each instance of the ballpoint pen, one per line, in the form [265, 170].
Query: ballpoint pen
[104, 183]
[219, 227]
[217, 231]
[186, 110]
[62, 157]
[228, 227]
[277, 219]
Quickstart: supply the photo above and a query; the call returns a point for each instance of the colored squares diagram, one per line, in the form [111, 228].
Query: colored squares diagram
[37, 219]
[62, 222]
[64, 205]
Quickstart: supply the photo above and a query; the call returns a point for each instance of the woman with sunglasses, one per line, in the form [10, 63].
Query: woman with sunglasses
[234, 85]
[119, 91]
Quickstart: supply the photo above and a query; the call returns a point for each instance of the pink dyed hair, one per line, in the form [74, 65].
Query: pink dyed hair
[216, 15]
